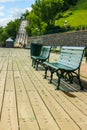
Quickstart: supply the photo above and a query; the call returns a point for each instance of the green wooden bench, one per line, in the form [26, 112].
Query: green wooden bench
[44, 56]
[67, 66]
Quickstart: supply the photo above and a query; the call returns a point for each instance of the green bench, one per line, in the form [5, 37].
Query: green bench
[44, 56]
[67, 66]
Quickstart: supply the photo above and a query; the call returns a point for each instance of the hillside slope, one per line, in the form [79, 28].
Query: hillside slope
[77, 16]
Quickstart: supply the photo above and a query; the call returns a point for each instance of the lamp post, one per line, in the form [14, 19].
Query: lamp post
[37, 29]
[65, 24]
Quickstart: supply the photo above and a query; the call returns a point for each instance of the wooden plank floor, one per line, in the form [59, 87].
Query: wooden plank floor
[28, 102]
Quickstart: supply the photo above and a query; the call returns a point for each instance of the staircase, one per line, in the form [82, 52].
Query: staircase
[21, 38]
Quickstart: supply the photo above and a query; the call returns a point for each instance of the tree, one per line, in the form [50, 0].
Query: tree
[47, 10]
[34, 23]
[3, 36]
[12, 28]
[25, 14]
[9, 31]
[42, 16]
[68, 4]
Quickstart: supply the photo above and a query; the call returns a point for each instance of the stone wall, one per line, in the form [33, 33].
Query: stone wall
[75, 38]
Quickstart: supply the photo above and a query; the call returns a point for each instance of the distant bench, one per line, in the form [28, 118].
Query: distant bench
[44, 56]
[67, 66]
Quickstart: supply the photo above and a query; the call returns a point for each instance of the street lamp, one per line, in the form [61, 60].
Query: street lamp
[38, 31]
[65, 23]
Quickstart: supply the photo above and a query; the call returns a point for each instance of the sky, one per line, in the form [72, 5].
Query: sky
[12, 9]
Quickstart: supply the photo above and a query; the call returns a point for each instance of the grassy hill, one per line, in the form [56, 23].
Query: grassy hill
[76, 16]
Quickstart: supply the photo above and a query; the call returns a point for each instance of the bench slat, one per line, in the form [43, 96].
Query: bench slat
[74, 48]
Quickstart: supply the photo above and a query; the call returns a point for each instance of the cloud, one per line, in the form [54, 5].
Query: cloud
[16, 12]
[4, 21]
[8, 13]
[1, 10]
[28, 8]
[2, 1]
[13, 14]
[1, 14]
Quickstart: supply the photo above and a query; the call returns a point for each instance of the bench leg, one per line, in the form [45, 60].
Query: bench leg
[80, 83]
[68, 77]
[77, 75]
[58, 83]
[59, 75]
[80, 80]
[33, 63]
[71, 78]
[45, 76]
[37, 65]
[51, 77]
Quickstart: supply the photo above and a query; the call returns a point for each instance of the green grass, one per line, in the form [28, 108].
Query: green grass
[77, 16]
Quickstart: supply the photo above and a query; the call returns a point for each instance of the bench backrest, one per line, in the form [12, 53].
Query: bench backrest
[71, 56]
[45, 52]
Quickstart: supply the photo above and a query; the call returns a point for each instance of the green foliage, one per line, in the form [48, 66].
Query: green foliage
[9, 31]
[12, 28]
[43, 27]
[34, 24]
[58, 16]
[25, 14]
[75, 16]
[3, 36]
[1, 30]
[43, 15]
[67, 14]
[81, 5]
[47, 9]
[47, 15]
[69, 3]
[28, 30]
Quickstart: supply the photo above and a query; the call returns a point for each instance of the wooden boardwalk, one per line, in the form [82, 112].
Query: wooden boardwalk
[28, 102]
